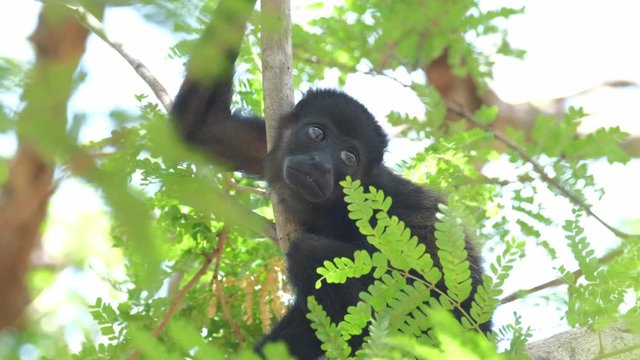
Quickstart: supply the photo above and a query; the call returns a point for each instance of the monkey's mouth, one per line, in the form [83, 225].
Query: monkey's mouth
[311, 187]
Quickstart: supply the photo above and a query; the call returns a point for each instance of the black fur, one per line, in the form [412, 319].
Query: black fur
[304, 168]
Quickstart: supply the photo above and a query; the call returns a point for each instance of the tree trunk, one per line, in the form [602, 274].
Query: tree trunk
[59, 42]
[278, 90]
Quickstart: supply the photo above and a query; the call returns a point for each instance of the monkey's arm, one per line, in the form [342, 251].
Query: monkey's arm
[202, 107]
[204, 119]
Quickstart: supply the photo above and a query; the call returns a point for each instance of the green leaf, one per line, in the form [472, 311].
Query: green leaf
[355, 320]
[383, 290]
[189, 340]
[272, 351]
[332, 342]
[150, 346]
[581, 250]
[486, 298]
[450, 240]
[486, 114]
[340, 269]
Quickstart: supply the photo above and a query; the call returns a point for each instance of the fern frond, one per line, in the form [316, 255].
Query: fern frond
[405, 302]
[376, 298]
[327, 332]
[485, 299]
[383, 290]
[340, 269]
[376, 347]
[359, 210]
[418, 322]
[580, 248]
[380, 263]
[452, 341]
[517, 335]
[355, 320]
[450, 240]
[389, 235]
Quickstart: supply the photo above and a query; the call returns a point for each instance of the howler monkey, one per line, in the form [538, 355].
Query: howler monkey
[327, 136]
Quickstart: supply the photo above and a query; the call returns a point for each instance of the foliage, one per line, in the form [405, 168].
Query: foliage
[186, 228]
[599, 297]
[407, 305]
[396, 35]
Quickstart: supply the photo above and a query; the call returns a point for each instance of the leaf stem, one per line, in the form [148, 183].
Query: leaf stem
[457, 305]
[557, 281]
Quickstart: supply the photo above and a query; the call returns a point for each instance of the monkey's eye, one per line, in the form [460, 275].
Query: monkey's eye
[349, 157]
[315, 133]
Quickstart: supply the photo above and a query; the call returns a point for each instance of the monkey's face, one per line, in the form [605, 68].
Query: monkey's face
[311, 175]
[314, 158]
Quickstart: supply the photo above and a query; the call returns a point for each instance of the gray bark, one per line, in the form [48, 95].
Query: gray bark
[618, 343]
[278, 90]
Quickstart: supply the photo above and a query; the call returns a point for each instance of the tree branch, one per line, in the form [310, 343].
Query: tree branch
[557, 281]
[554, 183]
[631, 146]
[93, 24]
[237, 187]
[177, 300]
[537, 168]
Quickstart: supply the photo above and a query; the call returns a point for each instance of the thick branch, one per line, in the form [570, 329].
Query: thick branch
[612, 342]
[631, 146]
[627, 350]
[463, 90]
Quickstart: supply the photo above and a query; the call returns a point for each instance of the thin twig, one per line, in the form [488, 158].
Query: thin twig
[93, 24]
[219, 289]
[260, 192]
[222, 241]
[268, 227]
[539, 169]
[561, 280]
[177, 300]
[611, 354]
[522, 293]
[228, 183]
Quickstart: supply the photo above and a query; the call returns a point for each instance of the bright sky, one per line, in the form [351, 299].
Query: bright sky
[572, 45]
